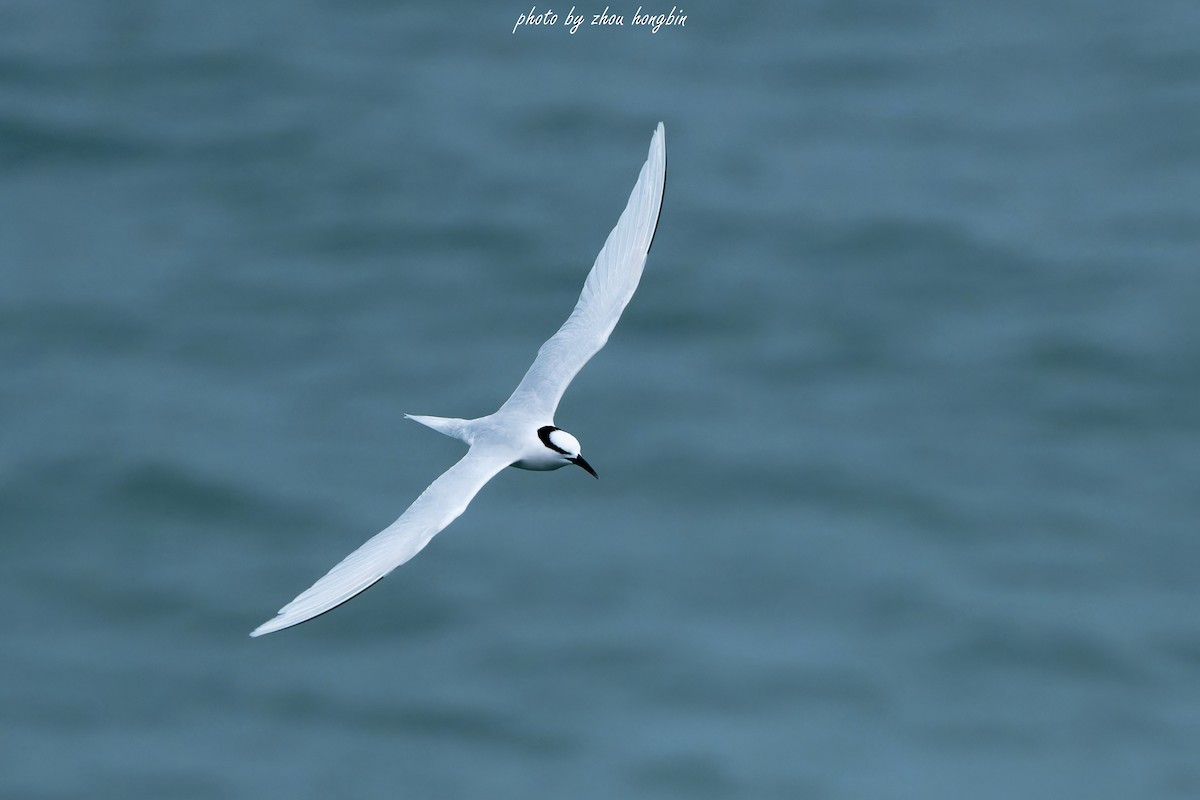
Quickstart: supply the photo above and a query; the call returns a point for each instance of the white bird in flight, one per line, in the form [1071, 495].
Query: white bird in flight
[521, 433]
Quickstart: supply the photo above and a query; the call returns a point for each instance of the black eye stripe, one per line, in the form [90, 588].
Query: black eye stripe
[544, 434]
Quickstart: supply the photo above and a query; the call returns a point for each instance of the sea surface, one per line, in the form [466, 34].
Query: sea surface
[898, 442]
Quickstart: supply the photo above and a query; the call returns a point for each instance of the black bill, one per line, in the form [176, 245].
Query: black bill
[580, 461]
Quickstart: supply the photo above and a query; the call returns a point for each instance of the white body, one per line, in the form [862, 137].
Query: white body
[521, 433]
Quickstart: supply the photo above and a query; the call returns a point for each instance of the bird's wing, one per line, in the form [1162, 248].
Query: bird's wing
[609, 285]
[438, 506]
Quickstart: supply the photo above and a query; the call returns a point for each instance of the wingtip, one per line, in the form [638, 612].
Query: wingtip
[658, 147]
[275, 623]
[264, 629]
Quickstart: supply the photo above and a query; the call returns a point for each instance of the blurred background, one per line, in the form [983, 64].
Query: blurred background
[898, 441]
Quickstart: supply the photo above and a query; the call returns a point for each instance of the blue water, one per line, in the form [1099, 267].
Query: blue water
[898, 441]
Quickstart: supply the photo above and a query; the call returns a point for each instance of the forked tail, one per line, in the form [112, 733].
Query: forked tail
[451, 426]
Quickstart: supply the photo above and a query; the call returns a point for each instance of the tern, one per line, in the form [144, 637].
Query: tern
[521, 433]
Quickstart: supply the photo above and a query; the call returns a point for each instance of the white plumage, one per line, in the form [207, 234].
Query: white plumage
[521, 432]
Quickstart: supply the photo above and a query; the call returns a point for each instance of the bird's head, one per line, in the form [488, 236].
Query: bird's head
[565, 447]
